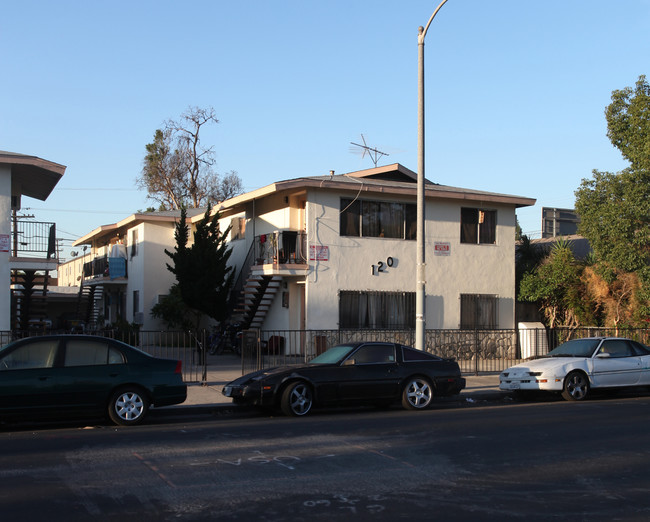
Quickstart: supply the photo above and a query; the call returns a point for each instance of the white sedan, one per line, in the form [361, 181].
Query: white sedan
[577, 366]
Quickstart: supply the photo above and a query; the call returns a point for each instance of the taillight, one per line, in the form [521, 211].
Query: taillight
[179, 367]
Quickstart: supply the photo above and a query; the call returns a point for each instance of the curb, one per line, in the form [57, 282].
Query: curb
[222, 410]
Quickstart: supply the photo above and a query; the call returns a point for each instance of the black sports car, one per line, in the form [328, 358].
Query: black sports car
[364, 372]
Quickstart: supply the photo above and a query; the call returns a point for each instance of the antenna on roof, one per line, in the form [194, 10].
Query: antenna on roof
[374, 154]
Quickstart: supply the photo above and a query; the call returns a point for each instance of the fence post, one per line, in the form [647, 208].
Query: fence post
[476, 351]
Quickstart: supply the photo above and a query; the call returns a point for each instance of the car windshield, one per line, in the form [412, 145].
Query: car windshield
[575, 348]
[333, 355]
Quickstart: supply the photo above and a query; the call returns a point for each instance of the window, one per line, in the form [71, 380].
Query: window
[392, 310]
[136, 301]
[134, 243]
[360, 218]
[38, 354]
[375, 354]
[478, 311]
[238, 228]
[86, 353]
[478, 226]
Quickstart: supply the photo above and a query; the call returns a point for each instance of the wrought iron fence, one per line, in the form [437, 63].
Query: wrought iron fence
[477, 351]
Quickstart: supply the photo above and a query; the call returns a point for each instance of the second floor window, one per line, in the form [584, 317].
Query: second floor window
[361, 218]
[238, 228]
[134, 243]
[478, 226]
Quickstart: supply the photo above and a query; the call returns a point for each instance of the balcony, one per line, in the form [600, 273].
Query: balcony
[33, 239]
[32, 245]
[104, 268]
[281, 248]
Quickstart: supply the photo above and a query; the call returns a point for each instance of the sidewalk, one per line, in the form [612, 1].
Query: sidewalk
[227, 367]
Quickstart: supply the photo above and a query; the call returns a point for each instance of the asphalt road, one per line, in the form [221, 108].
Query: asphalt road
[547, 460]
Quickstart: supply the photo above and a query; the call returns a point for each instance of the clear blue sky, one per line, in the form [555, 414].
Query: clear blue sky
[515, 91]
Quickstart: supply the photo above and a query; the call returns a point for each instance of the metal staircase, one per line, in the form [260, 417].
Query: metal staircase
[87, 309]
[29, 299]
[256, 299]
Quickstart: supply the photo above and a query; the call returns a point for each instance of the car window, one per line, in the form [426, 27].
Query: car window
[411, 354]
[639, 348]
[374, 353]
[91, 353]
[616, 348]
[37, 354]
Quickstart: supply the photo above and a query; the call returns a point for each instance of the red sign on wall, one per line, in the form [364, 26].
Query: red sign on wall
[441, 249]
[319, 253]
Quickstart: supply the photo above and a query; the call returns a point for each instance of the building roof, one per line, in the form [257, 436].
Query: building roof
[390, 179]
[109, 231]
[32, 176]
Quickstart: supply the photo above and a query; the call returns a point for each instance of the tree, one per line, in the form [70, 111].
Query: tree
[628, 123]
[178, 170]
[202, 273]
[614, 209]
[556, 285]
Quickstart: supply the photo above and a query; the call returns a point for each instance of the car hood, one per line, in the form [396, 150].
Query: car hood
[275, 373]
[541, 365]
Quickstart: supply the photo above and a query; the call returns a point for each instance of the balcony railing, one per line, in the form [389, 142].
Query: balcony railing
[104, 266]
[281, 247]
[33, 239]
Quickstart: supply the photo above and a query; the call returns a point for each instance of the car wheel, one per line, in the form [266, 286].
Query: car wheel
[297, 399]
[128, 406]
[576, 387]
[417, 394]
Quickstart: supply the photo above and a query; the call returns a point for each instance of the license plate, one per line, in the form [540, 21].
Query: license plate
[514, 385]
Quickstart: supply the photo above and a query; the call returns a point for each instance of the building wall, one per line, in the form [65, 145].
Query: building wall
[5, 230]
[473, 269]
[148, 272]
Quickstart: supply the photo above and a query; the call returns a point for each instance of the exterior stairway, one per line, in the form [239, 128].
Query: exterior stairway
[29, 299]
[257, 295]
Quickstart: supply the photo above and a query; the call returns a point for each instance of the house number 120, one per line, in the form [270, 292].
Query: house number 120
[381, 266]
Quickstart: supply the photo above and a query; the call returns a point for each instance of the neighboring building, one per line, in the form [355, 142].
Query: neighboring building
[121, 269]
[559, 222]
[333, 252]
[27, 248]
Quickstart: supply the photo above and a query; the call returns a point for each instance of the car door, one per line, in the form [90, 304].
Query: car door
[93, 368]
[616, 363]
[372, 373]
[29, 379]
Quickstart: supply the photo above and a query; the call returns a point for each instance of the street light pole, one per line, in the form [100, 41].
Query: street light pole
[420, 294]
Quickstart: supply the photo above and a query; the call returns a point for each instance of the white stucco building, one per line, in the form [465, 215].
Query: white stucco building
[330, 252]
[27, 247]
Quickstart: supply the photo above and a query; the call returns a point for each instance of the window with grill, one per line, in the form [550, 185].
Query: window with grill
[478, 311]
[383, 310]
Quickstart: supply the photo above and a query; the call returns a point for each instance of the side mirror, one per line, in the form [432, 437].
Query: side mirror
[349, 362]
[604, 355]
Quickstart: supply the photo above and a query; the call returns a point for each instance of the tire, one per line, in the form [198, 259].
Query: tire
[417, 394]
[297, 399]
[576, 387]
[128, 406]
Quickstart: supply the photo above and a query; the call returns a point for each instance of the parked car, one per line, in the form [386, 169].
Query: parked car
[80, 375]
[580, 365]
[364, 372]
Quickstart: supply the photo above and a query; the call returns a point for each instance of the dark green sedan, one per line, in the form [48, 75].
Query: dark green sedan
[80, 375]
